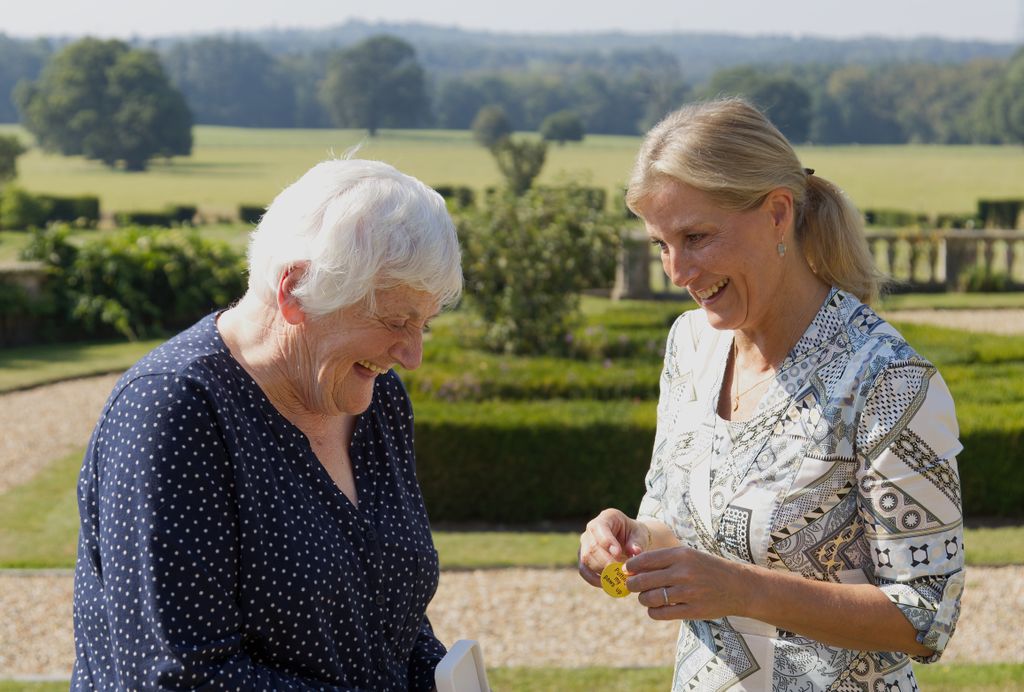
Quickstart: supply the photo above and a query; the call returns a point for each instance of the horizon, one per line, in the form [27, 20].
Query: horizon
[995, 21]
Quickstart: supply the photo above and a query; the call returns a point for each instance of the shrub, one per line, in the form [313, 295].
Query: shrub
[1002, 213]
[458, 196]
[978, 279]
[182, 213]
[490, 125]
[22, 210]
[515, 462]
[519, 161]
[138, 282]
[82, 211]
[563, 126]
[251, 213]
[958, 221]
[526, 259]
[894, 218]
[157, 219]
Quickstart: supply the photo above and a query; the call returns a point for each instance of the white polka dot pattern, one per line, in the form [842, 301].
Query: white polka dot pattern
[215, 551]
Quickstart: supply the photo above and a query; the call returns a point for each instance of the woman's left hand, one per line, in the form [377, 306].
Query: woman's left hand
[686, 584]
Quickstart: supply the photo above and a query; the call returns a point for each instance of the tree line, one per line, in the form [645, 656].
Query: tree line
[381, 81]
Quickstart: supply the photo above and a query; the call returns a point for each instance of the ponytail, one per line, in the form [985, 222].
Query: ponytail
[830, 232]
[729, 150]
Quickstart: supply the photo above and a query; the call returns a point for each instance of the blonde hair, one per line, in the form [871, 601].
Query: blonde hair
[729, 150]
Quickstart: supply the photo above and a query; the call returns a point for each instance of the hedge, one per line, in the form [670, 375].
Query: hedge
[524, 462]
[251, 213]
[23, 210]
[1000, 213]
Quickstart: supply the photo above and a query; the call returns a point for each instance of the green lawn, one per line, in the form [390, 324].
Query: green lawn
[989, 677]
[34, 365]
[239, 165]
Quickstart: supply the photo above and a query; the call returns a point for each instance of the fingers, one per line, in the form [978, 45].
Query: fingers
[652, 560]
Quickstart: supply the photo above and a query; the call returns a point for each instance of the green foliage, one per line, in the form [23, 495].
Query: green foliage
[526, 259]
[1002, 107]
[83, 210]
[1000, 213]
[457, 196]
[10, 149]
[563, 126]
[979, 279]
[229, 81]
[490, 125]
[519, 462]
[894, 218]
[138, 282]
[376, 83]
[105, 101]
[784, 100]
[22, 210]
[251, 213]
[519, 161]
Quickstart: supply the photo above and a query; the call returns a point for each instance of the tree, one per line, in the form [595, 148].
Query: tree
[1003, 103]
[105, 101]
[786, 103]
[490, 125]
[376, 83]
[563, 126]
[10, 149]
[519, 162]
[232, 82]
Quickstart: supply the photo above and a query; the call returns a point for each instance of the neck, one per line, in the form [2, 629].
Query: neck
[764, 347]
[271, 351]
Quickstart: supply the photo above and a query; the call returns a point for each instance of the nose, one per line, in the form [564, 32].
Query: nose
[408, 350]
[678, 267]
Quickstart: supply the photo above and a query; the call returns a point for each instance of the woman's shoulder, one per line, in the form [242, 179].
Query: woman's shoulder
[194, 359]
[872, 337]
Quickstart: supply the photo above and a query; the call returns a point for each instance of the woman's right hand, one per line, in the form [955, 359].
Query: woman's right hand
[611, 536]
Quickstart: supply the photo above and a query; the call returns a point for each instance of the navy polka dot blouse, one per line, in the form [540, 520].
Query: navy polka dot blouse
[215, 551]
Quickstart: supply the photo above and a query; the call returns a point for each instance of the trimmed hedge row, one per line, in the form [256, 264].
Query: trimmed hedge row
[524, 462]
[21, 210]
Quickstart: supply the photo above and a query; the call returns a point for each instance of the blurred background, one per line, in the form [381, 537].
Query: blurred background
[140, 142]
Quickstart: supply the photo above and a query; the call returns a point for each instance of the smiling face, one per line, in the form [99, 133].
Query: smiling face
[347, 350]
[727, 260]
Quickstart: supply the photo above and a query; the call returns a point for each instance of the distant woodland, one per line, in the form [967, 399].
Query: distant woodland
[868, 91]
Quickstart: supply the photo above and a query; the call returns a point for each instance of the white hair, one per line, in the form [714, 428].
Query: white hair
[357, 226]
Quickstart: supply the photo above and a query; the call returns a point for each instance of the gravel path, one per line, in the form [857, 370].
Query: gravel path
[521, 617]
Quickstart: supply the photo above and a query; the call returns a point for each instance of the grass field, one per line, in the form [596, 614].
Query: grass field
[237, 165]
[991, 677]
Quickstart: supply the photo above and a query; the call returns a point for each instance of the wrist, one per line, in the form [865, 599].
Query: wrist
[648, 541]
[750, 591]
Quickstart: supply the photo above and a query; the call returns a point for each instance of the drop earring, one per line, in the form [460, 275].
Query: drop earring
[781, 249]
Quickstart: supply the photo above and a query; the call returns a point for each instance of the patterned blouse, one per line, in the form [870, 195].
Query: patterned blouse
[845, 473]
[215, 551]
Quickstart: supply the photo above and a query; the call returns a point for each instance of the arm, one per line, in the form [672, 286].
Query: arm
[427, 652]
[912, 607]
[168, 550]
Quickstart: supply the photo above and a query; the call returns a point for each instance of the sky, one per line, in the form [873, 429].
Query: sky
[992, 20]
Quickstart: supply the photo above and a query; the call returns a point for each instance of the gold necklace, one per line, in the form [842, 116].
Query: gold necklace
[736, 378]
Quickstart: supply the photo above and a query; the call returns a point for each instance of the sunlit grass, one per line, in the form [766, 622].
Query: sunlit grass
[232, 165]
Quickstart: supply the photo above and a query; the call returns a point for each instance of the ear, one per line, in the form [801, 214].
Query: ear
[287, 302]
[779, 205]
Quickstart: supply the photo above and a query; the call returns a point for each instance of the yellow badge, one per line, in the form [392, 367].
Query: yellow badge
[613, 581]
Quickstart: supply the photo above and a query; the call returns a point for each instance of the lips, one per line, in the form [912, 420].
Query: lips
[711, 290]
[377, 370]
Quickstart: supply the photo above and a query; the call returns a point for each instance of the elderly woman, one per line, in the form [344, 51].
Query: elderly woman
[802, 514]
[250, 515]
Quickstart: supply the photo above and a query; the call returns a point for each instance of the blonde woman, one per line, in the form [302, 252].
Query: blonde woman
[802, 516]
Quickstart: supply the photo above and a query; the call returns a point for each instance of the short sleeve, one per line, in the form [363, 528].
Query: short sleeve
[909, 490]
